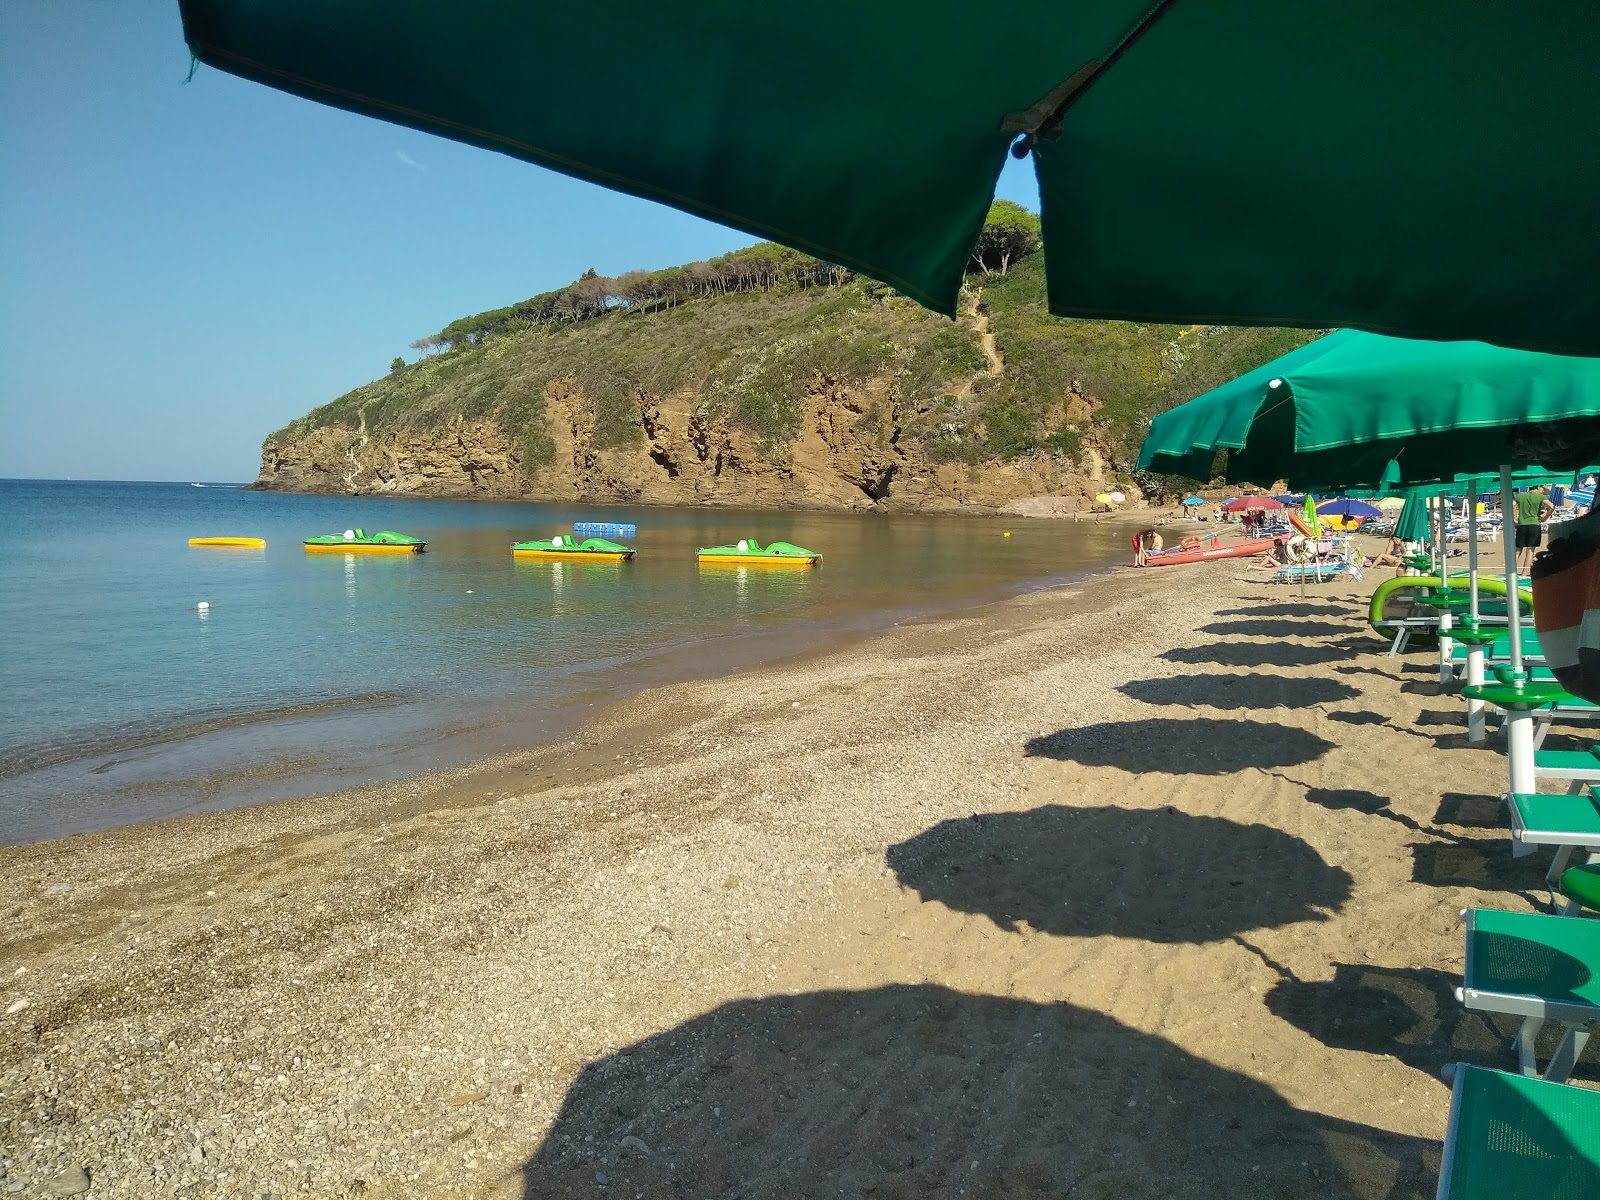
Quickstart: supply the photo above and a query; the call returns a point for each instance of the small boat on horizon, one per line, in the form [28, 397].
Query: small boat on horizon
[359, 541]
[748, 550]
[570, 549]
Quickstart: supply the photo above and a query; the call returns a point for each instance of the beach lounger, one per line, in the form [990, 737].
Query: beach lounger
[1511, 1138]
[1317, 573]
[1576, 767]
[1570, 823]
[1580, 887]
[1576, 711]
[1540, 968]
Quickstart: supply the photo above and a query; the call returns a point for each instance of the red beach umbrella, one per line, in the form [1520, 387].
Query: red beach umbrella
[1252, 504]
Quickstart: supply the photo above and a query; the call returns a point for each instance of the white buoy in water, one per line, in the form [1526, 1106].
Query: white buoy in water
[203, 605]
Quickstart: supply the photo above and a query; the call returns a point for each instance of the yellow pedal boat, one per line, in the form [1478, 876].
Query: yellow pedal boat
[566, 548]
[359, 541]
[749, 552]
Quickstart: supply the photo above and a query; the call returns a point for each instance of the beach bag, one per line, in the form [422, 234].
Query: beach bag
[1566, 605]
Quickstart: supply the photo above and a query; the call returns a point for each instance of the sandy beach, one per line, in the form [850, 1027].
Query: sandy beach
[1142, 888]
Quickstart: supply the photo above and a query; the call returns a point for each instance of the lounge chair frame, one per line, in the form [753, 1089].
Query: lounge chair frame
[1519, 1133]
[1577, 1019]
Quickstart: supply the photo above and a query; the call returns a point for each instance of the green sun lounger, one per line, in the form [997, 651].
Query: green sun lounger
[1570, 823]
[1540, 968]
[1581, 887]
[1575, 711]
[1511, 1138]
[1576, 767]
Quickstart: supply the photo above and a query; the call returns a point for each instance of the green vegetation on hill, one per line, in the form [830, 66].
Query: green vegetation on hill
[751, 334]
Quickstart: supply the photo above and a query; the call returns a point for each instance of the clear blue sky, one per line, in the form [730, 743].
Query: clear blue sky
[186, 267]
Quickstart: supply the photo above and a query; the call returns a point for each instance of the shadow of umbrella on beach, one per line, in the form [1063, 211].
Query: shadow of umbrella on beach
[1238, 691]
[1196, 746]
[1156, 874]
[1256, 654]
[1276, 628]
[1411, 1014]
[915, 1092]
[1284, 610]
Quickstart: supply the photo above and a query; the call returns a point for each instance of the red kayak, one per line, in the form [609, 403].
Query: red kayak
[1180, 555]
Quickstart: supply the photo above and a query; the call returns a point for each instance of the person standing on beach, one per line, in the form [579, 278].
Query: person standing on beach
[1145, 543]
[1532, 510]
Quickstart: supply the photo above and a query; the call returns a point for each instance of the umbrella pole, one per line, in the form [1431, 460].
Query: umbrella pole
[1519, 721]
[1513, 596]
[1475, 717]
[1444, 553]
[1472, 551]
[1447, 671]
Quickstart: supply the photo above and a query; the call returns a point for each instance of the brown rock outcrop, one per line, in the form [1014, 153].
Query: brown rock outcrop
[849, 454]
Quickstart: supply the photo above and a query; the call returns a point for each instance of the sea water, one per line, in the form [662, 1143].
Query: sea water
[121, 699]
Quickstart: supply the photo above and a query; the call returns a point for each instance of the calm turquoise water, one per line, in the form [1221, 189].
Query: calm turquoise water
[120, 701]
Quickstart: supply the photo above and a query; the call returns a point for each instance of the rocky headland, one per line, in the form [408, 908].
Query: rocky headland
[768, 379]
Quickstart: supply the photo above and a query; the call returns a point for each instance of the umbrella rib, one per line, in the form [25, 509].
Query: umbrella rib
[1043, 120]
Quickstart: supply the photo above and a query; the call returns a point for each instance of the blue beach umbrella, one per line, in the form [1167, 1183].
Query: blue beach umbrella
[1189, 501]
[1347, 508]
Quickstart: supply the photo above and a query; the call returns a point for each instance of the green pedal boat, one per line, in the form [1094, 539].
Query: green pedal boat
[748, 551]
[359, 541]
[569, 549]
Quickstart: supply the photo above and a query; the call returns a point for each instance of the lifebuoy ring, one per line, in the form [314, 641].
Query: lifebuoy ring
[1189, 543]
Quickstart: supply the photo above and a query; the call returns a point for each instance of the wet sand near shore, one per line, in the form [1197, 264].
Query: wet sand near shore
[1143, 887]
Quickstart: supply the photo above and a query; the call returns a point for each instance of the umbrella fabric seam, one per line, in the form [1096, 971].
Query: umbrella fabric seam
[582, 170]
[1049, 129]
[1411, 433]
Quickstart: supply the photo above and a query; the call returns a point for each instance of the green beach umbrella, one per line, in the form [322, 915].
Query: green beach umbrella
[1418, 169]
[1312, 519]
[1412, 524]
[1359, 409]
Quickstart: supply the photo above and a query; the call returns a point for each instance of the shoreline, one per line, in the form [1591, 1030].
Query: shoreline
[434, 987]
[1031, 507]
[486, 730]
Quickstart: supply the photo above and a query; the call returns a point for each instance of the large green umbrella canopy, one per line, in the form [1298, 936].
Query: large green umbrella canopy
[1420, 169]
[1353, 408]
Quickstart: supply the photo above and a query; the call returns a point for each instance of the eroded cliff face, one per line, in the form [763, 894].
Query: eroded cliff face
[848, 455]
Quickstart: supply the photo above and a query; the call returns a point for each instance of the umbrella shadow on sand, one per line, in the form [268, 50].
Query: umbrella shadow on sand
[1239, 691]
[1276, 629]
[1410, 1014]
[911, 1092]
[1193, 746]
[1256, 654]
[1284, 610]
[1157, 874]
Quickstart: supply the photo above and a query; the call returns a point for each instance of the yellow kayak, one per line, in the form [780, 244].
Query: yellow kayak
[241, 543]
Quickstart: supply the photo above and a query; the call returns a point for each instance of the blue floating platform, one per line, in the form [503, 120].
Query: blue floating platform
[604, 529]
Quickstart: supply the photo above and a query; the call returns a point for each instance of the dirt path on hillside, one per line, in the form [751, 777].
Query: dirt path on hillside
[992, 358]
